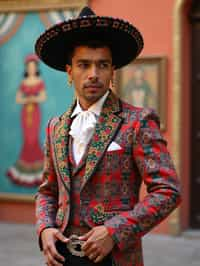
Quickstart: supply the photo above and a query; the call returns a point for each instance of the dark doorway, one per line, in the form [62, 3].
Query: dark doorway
[195, 115]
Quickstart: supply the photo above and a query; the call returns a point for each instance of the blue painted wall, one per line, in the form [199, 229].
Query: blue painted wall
[59, 96]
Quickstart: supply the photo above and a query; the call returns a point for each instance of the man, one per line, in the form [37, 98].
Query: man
[99, 152]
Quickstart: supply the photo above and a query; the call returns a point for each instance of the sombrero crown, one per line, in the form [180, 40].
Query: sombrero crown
[55, 45]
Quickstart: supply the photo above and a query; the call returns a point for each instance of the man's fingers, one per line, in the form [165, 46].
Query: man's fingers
[98, 259]
[55, 254]
[87, 244]
[91, 249]
[89, 240]
[86, 236]
[61, 237]
[94, 255]
[52, 255]
[51, 261]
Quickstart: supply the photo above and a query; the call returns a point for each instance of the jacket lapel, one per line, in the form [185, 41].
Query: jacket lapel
[106, 129]
[61, 148]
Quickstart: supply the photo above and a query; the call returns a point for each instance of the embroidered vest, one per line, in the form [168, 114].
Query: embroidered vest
[77, 173]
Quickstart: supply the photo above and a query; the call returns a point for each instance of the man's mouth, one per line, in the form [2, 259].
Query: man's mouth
[93, 85]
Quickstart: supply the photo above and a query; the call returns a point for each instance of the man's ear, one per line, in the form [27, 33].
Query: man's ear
[68, 69]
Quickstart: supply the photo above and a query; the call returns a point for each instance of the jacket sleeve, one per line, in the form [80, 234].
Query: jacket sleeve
[158, 173]
[47, 195]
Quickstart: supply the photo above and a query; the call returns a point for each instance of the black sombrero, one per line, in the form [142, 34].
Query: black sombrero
[55, 44]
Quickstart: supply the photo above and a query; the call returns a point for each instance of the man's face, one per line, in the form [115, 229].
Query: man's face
[91, 72]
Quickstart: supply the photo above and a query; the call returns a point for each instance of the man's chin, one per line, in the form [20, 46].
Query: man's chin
[92, 98]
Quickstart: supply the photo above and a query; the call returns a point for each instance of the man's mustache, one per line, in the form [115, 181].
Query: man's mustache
[93, 84]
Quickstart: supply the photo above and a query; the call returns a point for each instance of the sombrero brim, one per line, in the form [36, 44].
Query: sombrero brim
[124, 39]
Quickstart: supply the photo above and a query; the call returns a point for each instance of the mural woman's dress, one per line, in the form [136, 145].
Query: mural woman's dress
[28, 168]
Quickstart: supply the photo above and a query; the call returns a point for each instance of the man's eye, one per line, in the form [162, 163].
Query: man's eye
[103, 65]
[83, 65]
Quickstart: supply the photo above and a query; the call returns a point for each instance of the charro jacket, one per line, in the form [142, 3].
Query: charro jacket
[111, 183]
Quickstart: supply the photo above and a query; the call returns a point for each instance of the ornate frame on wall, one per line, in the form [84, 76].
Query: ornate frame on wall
[150, 72]
[23, 7]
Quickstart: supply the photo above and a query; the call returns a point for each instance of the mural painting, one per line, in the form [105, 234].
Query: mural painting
[30, 94]
[27, 170]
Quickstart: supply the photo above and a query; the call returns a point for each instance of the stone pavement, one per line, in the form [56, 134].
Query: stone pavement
[18, 247]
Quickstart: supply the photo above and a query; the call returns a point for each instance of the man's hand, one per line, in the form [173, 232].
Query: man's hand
[49, 236]
[98, 243]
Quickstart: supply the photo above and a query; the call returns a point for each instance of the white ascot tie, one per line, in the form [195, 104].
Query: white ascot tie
[83, 125]
[82, 129]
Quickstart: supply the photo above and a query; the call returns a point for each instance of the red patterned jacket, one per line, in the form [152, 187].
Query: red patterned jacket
[110, 188]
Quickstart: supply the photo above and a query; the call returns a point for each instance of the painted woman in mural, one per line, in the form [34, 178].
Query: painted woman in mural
[27, 169]
[138, 90]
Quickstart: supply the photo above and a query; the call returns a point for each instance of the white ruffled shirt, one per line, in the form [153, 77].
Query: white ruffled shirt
[83, 125]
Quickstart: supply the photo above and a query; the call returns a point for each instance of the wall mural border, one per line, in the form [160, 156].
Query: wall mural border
[42, 5]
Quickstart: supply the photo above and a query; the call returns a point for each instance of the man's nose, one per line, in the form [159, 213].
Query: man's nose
[93, 72]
